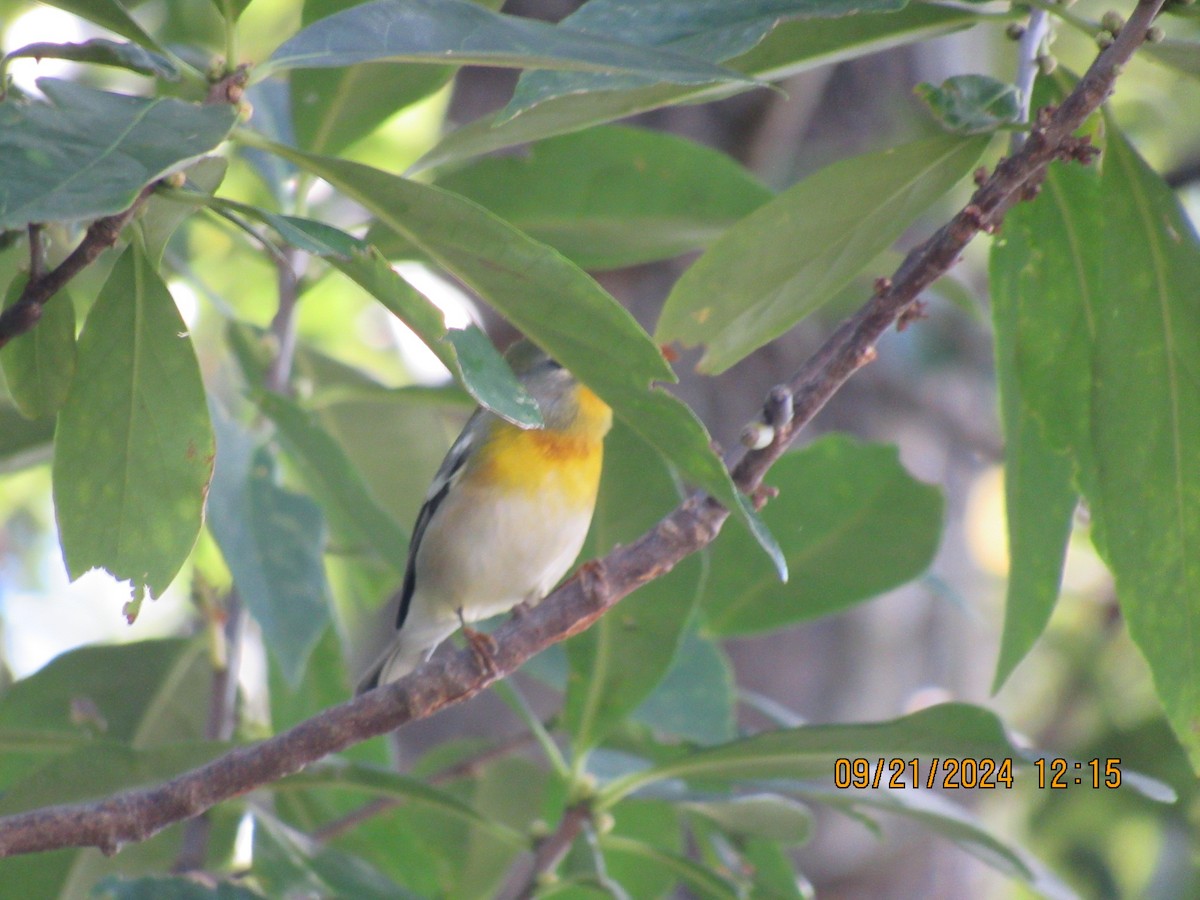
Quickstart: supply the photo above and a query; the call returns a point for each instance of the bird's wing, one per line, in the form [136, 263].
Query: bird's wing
[447, 474]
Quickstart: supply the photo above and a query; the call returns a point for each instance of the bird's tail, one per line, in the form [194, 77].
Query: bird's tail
[400, 658]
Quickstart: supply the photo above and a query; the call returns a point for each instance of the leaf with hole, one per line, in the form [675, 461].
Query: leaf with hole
[973, 104]
[134, 447]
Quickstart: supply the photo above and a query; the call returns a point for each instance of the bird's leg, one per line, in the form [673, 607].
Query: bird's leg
[483, 647]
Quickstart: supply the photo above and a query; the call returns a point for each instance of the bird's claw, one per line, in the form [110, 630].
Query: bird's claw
[483, 648]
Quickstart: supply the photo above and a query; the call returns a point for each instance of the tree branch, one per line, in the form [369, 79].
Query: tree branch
[138, 814]
[222, 718]
[101, 234]
[549, 852]
[37, 256]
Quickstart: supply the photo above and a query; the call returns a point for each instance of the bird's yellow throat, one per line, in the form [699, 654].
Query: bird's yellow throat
[571, 457]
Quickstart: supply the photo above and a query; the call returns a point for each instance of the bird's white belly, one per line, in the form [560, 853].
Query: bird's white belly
[530, 543]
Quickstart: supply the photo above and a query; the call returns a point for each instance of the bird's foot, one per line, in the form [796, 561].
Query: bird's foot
[483, 646]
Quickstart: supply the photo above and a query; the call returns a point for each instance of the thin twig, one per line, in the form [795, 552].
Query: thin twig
[1029, 50]
[547, 854]
[138, 814]
[101, 235]
[222, 717]
[37, 254]
[283, 325]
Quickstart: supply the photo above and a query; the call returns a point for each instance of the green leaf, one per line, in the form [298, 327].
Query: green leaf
[104, 52]
[462, 33]
[695, 699]
[650, 823]
[119, 704]
[1044, 275]
[618, 662]
[553, 302]
[101, 768]
[770, 816]
[289, 863]
[852, 522]
[699, 879]
[772, 870]
[124, 692]
[39, 364]
[162, 887]
[23, 442]
[808, 752]
[614, 196]
[272, 540]
[704, 29]
[335, 482]
[1182, 56]
[973, 104]
[333, 108]
[109, 13]
[511, 791]
[91, 152]
[308, 235]
[1146, 426]
[163, 213]
[793, 47]
[381, 782]
[325, 683]
[791, 256]
[1057, 305]
[134, 448]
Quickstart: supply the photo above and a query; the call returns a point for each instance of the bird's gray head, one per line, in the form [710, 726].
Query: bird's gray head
[551, 385]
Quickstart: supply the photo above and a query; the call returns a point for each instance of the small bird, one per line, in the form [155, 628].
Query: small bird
[505, 517]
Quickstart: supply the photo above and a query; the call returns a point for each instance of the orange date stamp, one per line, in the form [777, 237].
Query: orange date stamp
[948, 773]
[967, 773]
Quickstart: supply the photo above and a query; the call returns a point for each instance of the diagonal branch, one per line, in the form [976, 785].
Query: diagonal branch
[136, 815]
[101, 234]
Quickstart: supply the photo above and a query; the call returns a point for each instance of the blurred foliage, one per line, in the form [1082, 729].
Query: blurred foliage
[258, 300]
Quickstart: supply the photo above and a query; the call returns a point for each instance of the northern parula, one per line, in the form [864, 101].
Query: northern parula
[505, 517]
